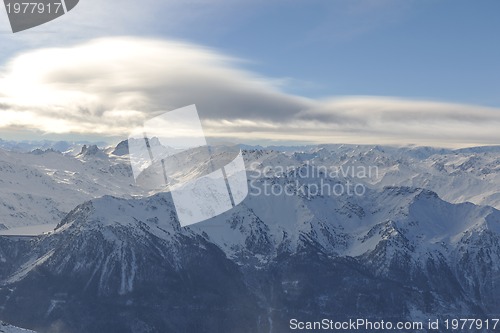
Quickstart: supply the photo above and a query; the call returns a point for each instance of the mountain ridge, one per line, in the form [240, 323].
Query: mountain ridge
[410, 247]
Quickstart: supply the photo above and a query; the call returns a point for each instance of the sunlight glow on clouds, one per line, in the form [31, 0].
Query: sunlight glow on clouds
[110, 86]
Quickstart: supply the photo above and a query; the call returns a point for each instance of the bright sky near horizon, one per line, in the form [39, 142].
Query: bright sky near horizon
[297, 71]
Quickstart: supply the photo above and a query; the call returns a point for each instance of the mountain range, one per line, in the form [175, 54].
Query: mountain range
[418, 239]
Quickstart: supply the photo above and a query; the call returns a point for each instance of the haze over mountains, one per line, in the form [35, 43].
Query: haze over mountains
[421, 241]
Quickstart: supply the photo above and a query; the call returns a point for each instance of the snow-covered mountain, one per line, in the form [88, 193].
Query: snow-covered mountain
[42, 186]
[419, 242]
[26, 146]
[114, 258]
[471, 174]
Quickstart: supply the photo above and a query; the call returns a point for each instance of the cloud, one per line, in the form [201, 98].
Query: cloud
[91, 82]
[111, 85]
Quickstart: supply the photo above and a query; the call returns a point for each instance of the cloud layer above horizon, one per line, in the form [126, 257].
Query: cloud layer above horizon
[109, 86]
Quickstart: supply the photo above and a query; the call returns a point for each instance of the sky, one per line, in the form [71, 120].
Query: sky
[260, 72]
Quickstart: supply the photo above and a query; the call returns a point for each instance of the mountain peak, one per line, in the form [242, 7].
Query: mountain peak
[39, 151]
[121, 148]
[91, 150]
